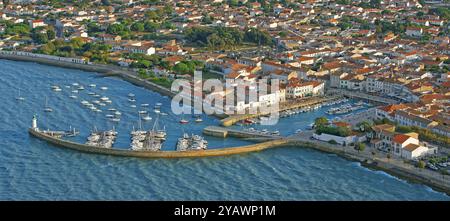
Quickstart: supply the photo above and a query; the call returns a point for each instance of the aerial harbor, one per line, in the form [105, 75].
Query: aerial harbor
[298, 100]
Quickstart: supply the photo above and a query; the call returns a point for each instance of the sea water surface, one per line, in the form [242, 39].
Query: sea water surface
[31, 169]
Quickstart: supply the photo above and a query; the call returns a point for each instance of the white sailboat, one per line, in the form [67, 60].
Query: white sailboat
[46, 107]
[20, 98]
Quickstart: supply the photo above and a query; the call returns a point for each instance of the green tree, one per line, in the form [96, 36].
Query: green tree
[138, 26]
[360, 147]
[421, 164]
[115, 29]
[51, 34]
[181, 68]
[233, 3]
[320, 122]
[150, 26]
[364, 126]
[40, 38]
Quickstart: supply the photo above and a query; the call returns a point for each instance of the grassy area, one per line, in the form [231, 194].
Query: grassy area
[209, 75]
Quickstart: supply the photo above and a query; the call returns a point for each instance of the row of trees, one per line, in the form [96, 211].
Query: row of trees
[424, 134]
[77, 47]
[226, 37]
[43, 35]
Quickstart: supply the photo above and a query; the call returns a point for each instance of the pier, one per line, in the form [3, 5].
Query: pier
[223, 132]
[123, 152]
[231, 120]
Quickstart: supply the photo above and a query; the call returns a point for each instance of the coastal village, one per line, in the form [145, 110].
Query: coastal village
[391, 56]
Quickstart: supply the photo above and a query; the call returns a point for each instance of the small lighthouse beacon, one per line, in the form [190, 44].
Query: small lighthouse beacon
[34, 123]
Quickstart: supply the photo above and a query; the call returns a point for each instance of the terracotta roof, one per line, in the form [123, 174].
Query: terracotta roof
[393, 107]
[400, 138]
[411, 147]
[341, 124]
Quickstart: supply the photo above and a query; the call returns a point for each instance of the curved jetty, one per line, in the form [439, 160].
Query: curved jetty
[155, 154]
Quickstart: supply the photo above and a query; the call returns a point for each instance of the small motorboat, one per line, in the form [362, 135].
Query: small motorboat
[143, 112]
[184, 121]
[132, 100]
[198, 120]
[92, 85]
[75, 84]
[104, 88]
[80, 88]
[91, 93]
[75, 91]
[146, 118]
[133, 106]
[163, 114]
[145, 105]
[73, 96]
[114, 119]
[57, 89]
[109, 116]
[131, 95]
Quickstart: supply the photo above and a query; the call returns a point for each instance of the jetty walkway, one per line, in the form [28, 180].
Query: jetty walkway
[124, 152]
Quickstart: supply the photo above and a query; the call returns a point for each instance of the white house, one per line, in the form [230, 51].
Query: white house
[37, 23]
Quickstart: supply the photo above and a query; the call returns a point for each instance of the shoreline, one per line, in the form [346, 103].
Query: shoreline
[104, 70]
[378, 164]
[109, 70]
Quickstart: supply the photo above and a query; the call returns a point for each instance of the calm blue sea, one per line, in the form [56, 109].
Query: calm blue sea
[31, 169]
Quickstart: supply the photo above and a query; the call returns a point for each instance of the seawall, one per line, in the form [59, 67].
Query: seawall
[158, 154]
[373, 163]
[378, 164]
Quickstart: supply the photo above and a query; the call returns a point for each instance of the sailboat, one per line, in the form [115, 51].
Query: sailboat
[20, 98]
[198, 120]
[46, 107]
[146, 118]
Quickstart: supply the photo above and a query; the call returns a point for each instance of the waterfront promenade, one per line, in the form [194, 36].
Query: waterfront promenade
[300, 103]
[377, 160]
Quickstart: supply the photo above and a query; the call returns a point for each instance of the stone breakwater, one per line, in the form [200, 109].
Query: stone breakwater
[158, 154]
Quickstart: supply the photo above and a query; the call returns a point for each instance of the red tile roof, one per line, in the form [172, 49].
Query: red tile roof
[400, 138]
